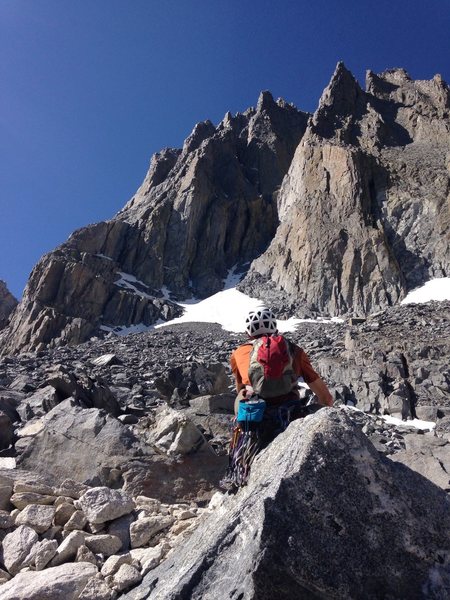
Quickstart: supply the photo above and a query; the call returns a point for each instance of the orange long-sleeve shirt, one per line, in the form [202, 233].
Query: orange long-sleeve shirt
[240, 362]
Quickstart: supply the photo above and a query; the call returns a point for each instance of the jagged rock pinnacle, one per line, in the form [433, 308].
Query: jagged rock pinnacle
[265, 101]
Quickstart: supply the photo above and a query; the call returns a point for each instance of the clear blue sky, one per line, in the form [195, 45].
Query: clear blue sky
[90, 89]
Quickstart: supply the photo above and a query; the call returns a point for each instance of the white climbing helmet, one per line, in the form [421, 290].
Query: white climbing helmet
[260, 321]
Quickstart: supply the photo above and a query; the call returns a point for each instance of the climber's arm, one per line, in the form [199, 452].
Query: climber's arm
[320, 389]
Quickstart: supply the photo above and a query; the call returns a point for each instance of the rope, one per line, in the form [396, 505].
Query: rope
[247, 441]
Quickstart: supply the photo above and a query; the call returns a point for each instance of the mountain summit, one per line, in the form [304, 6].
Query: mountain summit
[364, 207]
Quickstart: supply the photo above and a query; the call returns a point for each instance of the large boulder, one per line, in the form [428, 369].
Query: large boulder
[37, 516]
[323, 516]
[429, 456]
[22, 479]
[65, 581]
[83, 444]
[17, 548]
[175, 434]
[101, 504]
[89, 392]
[193, 477]
[183, 382]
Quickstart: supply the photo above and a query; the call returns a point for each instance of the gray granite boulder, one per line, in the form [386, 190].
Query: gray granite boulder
[429, 456]
[45, 551]
[65, 581]
[126, 577]
[219, 403]
[68, 548]
[84, 444]
[323, 516]
[143, 530]
[37, 516]
[103, 544]
[101, 504]
[17, 548]
[175, 434]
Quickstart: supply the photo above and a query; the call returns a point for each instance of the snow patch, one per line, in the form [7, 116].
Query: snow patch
[103, 256]
[7, 463]
[128, 282]
[233, 278]
[229, 309]
[416, 423]
[121, 330]
[435, 289]
[165, 292]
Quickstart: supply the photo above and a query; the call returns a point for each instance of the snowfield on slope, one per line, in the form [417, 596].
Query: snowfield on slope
[435, 289]
[230, 307]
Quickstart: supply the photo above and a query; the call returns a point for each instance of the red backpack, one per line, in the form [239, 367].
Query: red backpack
[271, 370]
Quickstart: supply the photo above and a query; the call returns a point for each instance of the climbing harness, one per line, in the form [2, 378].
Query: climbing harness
[250, 435]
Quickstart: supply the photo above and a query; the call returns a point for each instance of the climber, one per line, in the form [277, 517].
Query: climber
[262, 323]
[266, 370]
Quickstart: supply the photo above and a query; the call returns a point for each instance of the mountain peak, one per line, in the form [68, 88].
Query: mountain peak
[342, 92]
[200, 133]
[341, 101]
[265, 101]
[219, 203]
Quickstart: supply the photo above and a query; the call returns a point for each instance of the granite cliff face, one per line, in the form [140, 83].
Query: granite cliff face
[364, 208]
[213, 205]
[341, 212]
[200, 211]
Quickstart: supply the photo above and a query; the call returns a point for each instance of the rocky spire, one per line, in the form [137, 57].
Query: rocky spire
[200, 133]
[368, 164]
[265, 101]
[341, 103]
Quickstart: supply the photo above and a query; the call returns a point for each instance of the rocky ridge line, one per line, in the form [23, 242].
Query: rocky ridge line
[347, 211]
[200, 211]
[364, 206]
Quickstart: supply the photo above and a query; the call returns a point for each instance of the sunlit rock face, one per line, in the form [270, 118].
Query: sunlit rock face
[213, 204]
[364, 208]
[199, 211]
[340, 212]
